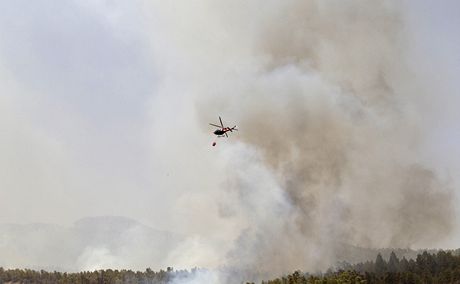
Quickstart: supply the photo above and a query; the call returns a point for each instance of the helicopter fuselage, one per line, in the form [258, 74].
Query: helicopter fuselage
[219, 132]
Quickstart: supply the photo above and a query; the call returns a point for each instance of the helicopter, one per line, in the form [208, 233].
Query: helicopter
[222, 131]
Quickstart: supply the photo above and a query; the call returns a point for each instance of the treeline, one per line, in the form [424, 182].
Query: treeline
[92, 277]
[441, 267]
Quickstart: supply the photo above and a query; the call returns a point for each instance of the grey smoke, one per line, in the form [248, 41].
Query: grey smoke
[329, 147]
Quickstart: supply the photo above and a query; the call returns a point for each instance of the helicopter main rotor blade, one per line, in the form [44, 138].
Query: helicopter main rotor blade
[221, 122]
[215, 125]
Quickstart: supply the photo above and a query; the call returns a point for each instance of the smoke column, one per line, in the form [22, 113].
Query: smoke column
[328, 151]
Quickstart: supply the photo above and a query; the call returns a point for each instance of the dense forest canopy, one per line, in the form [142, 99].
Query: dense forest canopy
[439, 267]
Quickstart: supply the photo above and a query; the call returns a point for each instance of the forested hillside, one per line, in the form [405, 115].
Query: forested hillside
[440, 267]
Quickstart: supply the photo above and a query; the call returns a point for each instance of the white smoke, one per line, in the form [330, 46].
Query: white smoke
[329, 143]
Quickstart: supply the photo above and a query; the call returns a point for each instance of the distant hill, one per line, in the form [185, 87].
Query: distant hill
[91, 243]
[116, 243]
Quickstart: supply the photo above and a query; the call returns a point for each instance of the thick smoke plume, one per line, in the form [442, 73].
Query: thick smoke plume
[328, 148]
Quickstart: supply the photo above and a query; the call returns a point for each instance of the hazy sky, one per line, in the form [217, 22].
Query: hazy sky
[436, 51]
[89, 128]
[76, 83]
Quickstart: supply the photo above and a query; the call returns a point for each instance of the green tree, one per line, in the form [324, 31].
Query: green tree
[393, 263]
[380, 267]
